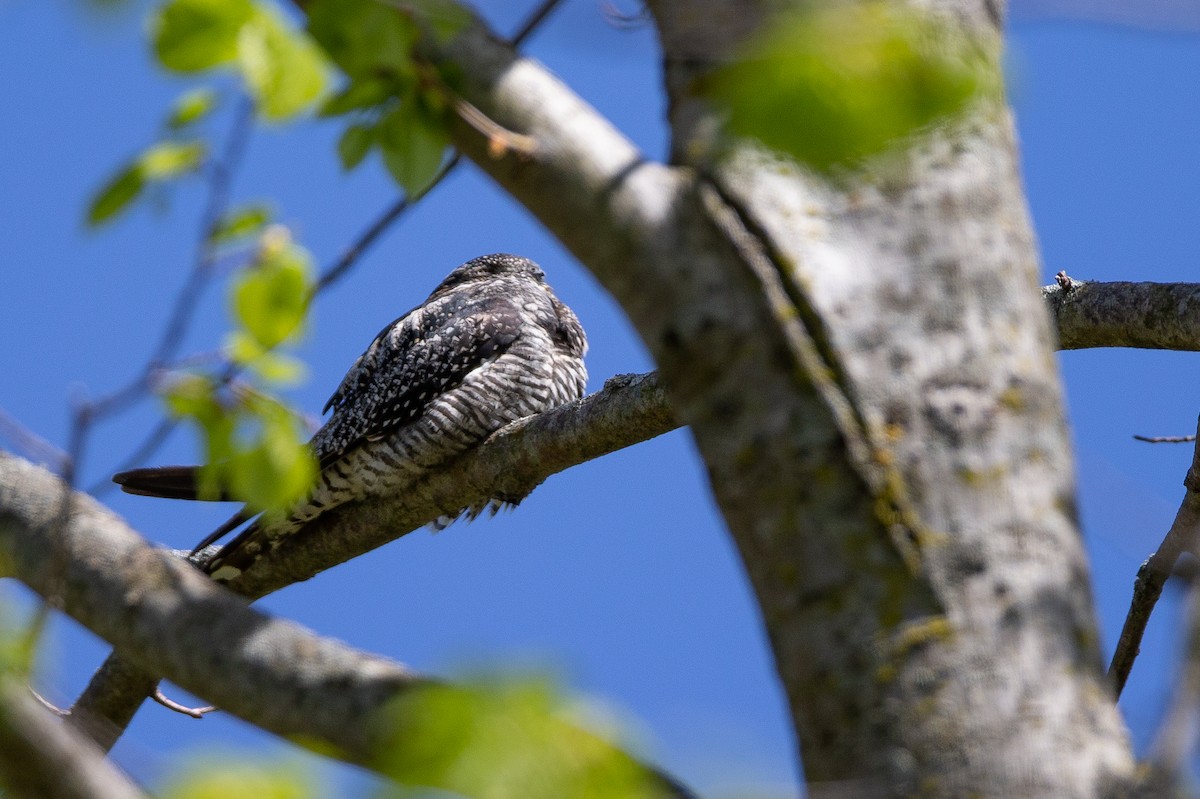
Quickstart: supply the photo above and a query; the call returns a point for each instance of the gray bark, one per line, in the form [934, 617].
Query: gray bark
[1162, 316]
[166, 617]
[868, 373]
[40, 757]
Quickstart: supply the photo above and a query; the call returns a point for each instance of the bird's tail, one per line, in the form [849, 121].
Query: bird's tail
[169, 482]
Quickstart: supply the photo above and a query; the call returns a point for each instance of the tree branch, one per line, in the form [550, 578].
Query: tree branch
[167, 617]
[630, 409]
[1161, 316]
[42, 758]
[1153, 574]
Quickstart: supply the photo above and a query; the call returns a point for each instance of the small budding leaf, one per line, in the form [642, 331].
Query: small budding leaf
[413, 143]
[355, 143]
[116, 195]
[283, 68]
[833, 86]
[194, 35]
[162, 161]
[191, 107]
[270, 299]
[239, 223]
[503, 741]
[170, 159]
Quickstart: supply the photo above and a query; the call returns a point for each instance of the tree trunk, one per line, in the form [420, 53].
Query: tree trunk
[869, 376]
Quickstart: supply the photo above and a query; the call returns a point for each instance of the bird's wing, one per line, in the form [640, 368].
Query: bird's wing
[416, 359]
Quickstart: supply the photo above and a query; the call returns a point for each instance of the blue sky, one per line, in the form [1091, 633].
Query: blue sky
[617, 576]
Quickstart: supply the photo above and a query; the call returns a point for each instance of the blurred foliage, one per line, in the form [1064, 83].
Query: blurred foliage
[254, 445]
[396, 103]
[502, 740]
[18, 642]
[283, 69]
[159, 163]
[227, 778]
[240, 223]
[833, 85]
[191, 107]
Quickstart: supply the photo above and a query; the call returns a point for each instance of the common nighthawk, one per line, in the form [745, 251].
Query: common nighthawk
[490, 345]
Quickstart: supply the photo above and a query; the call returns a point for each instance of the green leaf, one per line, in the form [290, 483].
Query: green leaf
[195, 397]
[278, 468]
[834, 85]
[279, 369]
[271, 367]
[270, 299]
[283, 68]
[362, 93]
[503, 741]
[170, 159]
[194, 35]
[116, 195]
[413, 143]
[446, 18]
[354, 145]
[192, 396]
[159, 162]
[191, 107]
[366, 38]
[238, 223]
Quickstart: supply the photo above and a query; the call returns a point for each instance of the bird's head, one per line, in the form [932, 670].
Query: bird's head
[490, 267]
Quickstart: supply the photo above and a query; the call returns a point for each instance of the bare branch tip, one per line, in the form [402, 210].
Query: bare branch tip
[194, 712]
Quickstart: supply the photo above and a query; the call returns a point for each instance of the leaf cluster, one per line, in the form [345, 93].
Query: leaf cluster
[397, 104]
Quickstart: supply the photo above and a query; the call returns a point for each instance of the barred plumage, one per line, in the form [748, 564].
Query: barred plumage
[490, 345]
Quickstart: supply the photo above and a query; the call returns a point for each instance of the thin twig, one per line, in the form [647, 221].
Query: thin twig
[1166, 439]
[377, 228]
[619, 19]
[533, 22]
[500, 139]
[46, 703]
[29, 443]
[195, 712]
[221, 175]
[220, 182]
[1153, 575]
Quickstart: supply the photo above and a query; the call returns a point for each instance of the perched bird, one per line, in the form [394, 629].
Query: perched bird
[490, 345]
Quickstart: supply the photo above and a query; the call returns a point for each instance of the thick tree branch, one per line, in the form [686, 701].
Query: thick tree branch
[1163, 316]
[166, 617]
[630, 409]
[42, 758]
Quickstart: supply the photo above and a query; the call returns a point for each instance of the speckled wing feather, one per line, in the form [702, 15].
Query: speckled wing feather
[421, 355]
